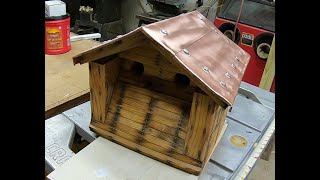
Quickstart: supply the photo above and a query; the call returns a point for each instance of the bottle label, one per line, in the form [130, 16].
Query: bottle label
[54, 37]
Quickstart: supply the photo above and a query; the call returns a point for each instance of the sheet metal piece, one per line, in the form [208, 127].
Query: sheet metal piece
[229, 155]
[213, 171]
[81, 117]
[59, 134]
[250, 113]
[267, 98]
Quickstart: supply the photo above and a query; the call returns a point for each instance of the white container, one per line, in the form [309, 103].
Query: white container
[55, 8]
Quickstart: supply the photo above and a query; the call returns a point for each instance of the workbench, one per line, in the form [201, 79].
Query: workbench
[66, 85]
[251, 117]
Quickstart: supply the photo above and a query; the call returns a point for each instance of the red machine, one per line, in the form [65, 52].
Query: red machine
[254, 32]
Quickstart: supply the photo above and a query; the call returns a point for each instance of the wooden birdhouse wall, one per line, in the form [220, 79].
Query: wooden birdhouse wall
[142, 101]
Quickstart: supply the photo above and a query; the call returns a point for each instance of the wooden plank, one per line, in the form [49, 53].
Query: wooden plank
[200, 118]
[135, 109]
[102, 79]
[158, 60]
[134, 133]
[66, 85]
[269, 70]
[159, 72]
[131, 40]
[148, 131]
[154, 122]
[158, 85]
[211, 128]
[219, 116]
[72, 102]
[223, 129]
[148, 152]
[136, 115]
[177, 109]
[145, 143]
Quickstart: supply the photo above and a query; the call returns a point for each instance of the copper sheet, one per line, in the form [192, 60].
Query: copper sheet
[208, 50]
[212, 57]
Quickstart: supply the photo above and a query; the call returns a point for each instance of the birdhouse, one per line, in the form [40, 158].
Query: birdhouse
[163, 89]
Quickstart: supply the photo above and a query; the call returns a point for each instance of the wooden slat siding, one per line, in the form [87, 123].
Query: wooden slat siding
[219, 116]
[192, 77]
[136, 134]
[199, 119]
[183, 120]
[158, 85]
[102, 78]
[211, 124]
[159, 62]
[116, 115]
[184, 164]
[155, 94]
[133, 96]
[159, 72]
[98, 94]
[150, 70]
[136, 109]
[138, 106]
[150, 131]
[148, 144]
[222, 130]
[122, 44]
[126, 65]
[164, 128]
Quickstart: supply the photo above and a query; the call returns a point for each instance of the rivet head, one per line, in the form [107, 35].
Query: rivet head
[228, 75]
[222, 83]
[164, 31]
[200, 17]
[186, 51]
[233, 66]
[237, 58]
[205, 69]
[213, 28]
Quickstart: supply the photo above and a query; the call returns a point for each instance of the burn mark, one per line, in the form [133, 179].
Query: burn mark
[116, 115]
[137, 150]
[199, 154]
[181, 122]
[157, 59]
[169, 162]
[146, 120]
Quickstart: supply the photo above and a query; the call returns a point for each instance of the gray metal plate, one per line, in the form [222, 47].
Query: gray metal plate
[251, 113]
[214, 172]
[59, 134]
[81, 117]
[229, 155]
[267, 98]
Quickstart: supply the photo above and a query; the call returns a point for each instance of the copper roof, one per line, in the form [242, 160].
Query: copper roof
[194, 44]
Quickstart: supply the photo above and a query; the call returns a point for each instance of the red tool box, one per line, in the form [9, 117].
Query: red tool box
[254, 32]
